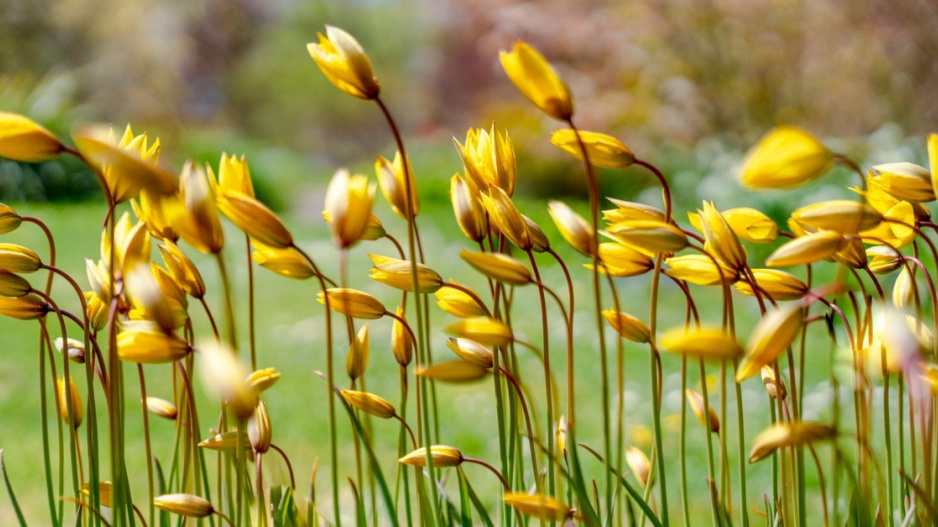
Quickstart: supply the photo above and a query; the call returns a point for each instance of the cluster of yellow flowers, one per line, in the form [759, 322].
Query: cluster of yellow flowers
[145, 306]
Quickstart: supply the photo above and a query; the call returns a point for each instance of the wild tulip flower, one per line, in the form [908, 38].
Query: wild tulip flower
[181, 268]
[234, 198]
[484, 330]
[467, 206]
[572, 227]
[260, 380]
[402, 342]
[621, 260]
[506, 218]
[357, 359]
[630, 210]
[23, 140]
[904, 181]
[498, 267]
[351, 302]
[796, 433]
[146, 295]
[128, 165]
[234, 175]
[779, 285]
[18, 259]
[807, 249]
[286, 262]
[74, 417]
[771, 336]
[603, 150]
[223, 376]
[538, 506]
[489, 159]
[259, 429]
[28, 307]
[537, 80]
[149, 209]
[707, 417]
[399, 274]
[193, 213]
[774, 388]
[706, 343]
[458, 303]
[144, 342]
[344, 62]
[348, 207]
[72, 348]
[442, 456]
[652, 236]
[471, 351]
[933, 161]
[843, 216]
[639, 464]
[786, 157]
[539, 241]
[884, 259]
[188, 505]
[749, 224]
[457, 371]
[369, 403]
[162, 408]
[699, 269]
[627, 326]
[391, 177]
[9, 219]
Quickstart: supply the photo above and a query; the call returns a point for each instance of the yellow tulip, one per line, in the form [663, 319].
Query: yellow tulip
[234, 175]
[254, 218]
[572, 227]
[791, 434]
[786, 157]
[467, 207]
[639, 465]
[188, 505]
[442, 456]
[369, 403]
[707, 417]
[603, 150]
[391, 178]
[72, 348]
[484, 330]
[630, 210]
[352, 302]
[149, 209]
[18, 259]
[399, 274]
[357, 359]
[539, 241]
[128, 165]
[807, 249]
[458, 303]
[627, 326]
[538, 506]
[904, 181]
[348, 207]
[145, 294]
[471, 351]
[162, 408]
[506, 218]
[843, 216]
[774, 332]
[774, 388]
[260, 380]
[259, 429]
[498, 267]
[73, 417]
[223, 376]
[344, 62]
[749, 224]
[182, 269]
[9, 219]
[933, 161]
[21, 139]
[28, 307]
[699, 269]
[402, 342]
[193, 214]
[456, 371]
[620, 260]
[648, 235]
[144, 342]
[489, 159]
[884, 259]
[536, 80]
[778, 285]
[286, 262]
[706, 343]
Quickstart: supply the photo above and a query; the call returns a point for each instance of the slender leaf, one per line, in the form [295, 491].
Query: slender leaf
[465, 511]
[379, 475]
[6, 482]
[628, 487]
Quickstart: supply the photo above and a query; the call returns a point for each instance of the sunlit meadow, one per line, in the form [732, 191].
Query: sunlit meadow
[649, 366]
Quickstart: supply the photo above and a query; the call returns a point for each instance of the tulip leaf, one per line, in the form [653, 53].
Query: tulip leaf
[6, 482]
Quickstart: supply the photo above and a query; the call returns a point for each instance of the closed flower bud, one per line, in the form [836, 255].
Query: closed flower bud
[21, 139]
[97, 310]
[652, 236]
[71, 400]
[489, 159]
[457, 371]
[853, 253]
[162, 408]
[348, 207]
[539, 241]
[631, 211]
[786, 157]
[904, 181]
[285, 262]
[484, 330]
[402, 342]
[254, 218]
[778, 285]
[71, 348]
[722, 240]
[146, 295]
[627, 326]
[260, 380]
[18, 259]
[562, 435]
[843, 216]
[699, 269]
[28, 307]
[182, 269]
[705, 343]
[352, 302]
[573, 227]
[145, 343]
[775, 388]
[399, 274]
[883, 259]
[536, 80]
[369, 403]
[538, 506]
[13, 285]
[471, 351]
[792, 434]
[468, 209]
[639, 465]
[603, 150]
[357, 359]
[807, 249]
[344, 62]
[391, 178]
[458, 303]
[771, 336]
[188, 505]
[105, 489]
[747, 223]
[505, 217]
[621, 261]
[9, 219]
[226, 441]
[193, 213]
[707, 417]
[498, 267]
[903, 290]
[442, 456]
[259, 431]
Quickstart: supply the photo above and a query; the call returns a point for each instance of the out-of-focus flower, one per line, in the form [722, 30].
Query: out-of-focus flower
[352, 302]
[603, 150]
[193, 214]
[537, 80]
[706, 343]
[286, 262]
[627, 326]
[648, 235]
[699, 269]
[807, 249]
[402, 342]
[357, 359]
[774, 332]
[162, 408]
[484, 330]
[904, 181]
[71, 398]
[348, 207]
[128, 165]
[843, 216]
[399, 274]
[149, 210]
[223, 375]
[21, 139]
[786, 157]
[71, 348]
[181, 268]
[538, 506]
[456, 371]
[795, 433]
[639, 465]
[260, 380]
[344, 62]
[391, 178]
[707, 417]
[779, 285]
[489, 159]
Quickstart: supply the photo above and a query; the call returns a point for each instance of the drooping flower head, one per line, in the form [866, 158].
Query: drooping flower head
[536, 79]
[344, 62]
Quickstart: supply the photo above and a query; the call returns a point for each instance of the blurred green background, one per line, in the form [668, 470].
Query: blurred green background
[687, 84]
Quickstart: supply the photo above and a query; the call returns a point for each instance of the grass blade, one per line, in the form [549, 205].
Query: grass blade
[628, 487]
[6, 482]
